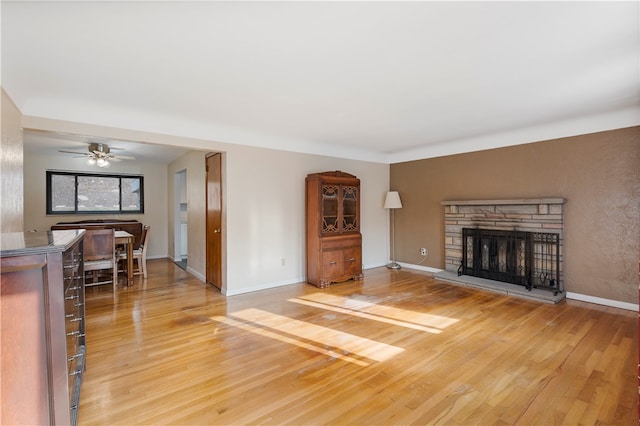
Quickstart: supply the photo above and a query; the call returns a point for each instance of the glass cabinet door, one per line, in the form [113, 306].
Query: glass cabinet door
[330, 194]
[339, 209]
[349, 209]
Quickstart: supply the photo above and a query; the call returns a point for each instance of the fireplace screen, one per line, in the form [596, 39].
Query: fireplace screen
[530, 259]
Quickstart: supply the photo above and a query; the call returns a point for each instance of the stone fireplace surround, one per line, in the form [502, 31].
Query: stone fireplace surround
[529, 215]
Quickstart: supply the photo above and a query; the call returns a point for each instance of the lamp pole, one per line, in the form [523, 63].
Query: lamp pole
[392, 201]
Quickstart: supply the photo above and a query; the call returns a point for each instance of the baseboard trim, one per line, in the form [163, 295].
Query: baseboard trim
[365, 267]
[420, 267]
[196, 274]
[235, 292]
[160, 257]
[602, 301]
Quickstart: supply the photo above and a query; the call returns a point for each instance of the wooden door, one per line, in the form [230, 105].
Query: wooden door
[214, 219]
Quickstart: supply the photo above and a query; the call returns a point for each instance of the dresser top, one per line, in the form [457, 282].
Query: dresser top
[21, 243]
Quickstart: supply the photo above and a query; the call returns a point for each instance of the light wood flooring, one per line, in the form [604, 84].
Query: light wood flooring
[395, 348]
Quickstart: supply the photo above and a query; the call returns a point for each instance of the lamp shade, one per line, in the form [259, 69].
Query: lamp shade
[392, 200]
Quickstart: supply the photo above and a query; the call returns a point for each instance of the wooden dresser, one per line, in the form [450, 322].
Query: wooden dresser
[334, 242]
[42, 325]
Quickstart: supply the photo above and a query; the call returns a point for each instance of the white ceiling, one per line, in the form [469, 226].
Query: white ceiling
[379, 81]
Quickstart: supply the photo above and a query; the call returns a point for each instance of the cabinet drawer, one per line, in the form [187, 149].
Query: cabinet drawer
[340, 242]
[332, 263]
[352, 259]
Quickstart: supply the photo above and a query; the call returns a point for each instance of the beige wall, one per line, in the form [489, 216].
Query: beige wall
[598, 174]
[11, 162]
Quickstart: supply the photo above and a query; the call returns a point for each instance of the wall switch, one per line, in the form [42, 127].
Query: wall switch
[283, 261]
[423, 251]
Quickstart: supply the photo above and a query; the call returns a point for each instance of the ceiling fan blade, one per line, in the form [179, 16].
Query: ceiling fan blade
[100, 151]
[74, 152]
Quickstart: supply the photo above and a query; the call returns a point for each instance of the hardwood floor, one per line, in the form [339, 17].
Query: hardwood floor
[395, 348]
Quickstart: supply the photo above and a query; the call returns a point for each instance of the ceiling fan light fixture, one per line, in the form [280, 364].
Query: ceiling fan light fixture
[91, 161]
[102, 162]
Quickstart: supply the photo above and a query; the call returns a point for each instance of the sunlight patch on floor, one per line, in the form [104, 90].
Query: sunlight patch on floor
[366, 315]
[325, 340]
[290, 340]
[406, 318]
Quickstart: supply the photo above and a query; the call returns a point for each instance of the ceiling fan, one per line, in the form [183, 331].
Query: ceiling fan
[100, 155]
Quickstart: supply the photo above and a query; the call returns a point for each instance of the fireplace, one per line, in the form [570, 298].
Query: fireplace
[517, 244]
[530, 259]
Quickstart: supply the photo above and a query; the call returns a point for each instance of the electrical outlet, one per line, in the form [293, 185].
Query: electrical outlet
[423, 251]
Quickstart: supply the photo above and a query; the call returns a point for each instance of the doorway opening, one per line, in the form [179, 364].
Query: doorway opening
[181, 246]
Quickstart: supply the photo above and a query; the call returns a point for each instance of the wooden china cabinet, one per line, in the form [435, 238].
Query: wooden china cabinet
[334, 242]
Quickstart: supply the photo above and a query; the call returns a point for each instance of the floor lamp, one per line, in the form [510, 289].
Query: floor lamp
[392, 201]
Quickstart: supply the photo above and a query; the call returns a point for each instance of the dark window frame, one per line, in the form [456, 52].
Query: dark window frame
[51, 173]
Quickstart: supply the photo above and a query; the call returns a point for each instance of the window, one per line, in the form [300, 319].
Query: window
[85, 193]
